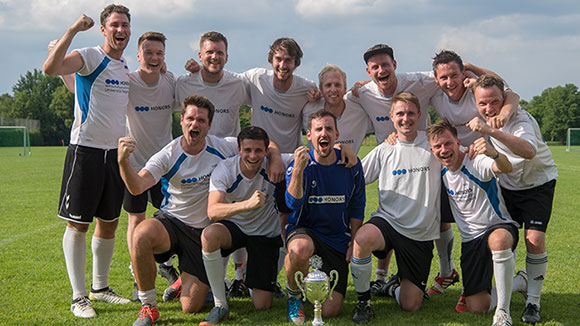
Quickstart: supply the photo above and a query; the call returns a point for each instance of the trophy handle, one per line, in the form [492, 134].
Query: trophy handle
[333, 277]
[299, 278]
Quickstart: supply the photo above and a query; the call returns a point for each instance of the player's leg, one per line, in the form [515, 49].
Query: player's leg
[262, 271]
[193, 294]
[501, 242]
[368, 239]
[300, 248]
[213, 238]
[447, 274]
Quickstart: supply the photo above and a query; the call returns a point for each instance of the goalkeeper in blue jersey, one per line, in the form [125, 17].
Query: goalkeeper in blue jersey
[328, 201]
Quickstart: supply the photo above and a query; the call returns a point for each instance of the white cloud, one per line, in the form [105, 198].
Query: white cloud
[54, 14]
[315, 8]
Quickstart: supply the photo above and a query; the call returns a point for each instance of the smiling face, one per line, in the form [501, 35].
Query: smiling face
[381, 69]
[213, 57]
[195, 126]
[151, 55]
[252, 152]
[489, 101]
[333, 87]
[450, 78]
[283, 64]
[405, 117]
[323, 134]
[117, 31]
[445, 147]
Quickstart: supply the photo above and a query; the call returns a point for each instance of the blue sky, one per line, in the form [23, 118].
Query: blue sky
[533, 45]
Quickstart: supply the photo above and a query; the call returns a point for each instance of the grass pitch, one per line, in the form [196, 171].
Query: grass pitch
[34, 287]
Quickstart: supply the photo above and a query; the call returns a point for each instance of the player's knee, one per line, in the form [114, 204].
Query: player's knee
[535, 240]
[477, 306]
[331, 311]
[411, 305]
[189, 306]
[299, 253]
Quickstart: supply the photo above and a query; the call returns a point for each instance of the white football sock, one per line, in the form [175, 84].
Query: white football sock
[102, 256]
[536, 265]
[214, 269]
[361, 270]
[148, 297]
[503, 271]
[445, 251]
[74, 246]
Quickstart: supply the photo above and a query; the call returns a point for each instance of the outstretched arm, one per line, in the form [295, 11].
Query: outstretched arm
[501, 163]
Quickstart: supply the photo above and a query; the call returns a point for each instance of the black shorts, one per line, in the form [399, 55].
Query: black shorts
[332, 259]
[280, 197]
[138, 204]
[91, 185]
[477, 261]
[531, 207]
[185, 243]
[445, 207]
[413, 257]
[263, 252]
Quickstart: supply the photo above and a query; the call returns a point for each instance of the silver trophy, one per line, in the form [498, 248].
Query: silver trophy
[316, 287]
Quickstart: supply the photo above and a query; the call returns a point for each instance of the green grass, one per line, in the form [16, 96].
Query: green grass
[34, 287]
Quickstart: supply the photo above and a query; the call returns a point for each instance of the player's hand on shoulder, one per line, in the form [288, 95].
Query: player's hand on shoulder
[471, 152]
[313, 94]
[301, 158]
[358, 85]
[126, 147]
[391, 139]
[347, 155]
[83, 23]
[192, 66]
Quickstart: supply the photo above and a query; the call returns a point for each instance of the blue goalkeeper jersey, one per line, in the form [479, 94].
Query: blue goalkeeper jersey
[333, 194]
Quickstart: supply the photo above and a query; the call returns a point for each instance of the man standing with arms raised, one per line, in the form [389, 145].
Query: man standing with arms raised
[102, 85]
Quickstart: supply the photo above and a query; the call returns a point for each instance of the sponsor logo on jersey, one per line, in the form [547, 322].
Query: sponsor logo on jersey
[385, 118]
[116, 86]
[420, 169]
[345, 141]
[461, 195]
[195, 179]
[326, 199]
[276, 112]
[222, 110]
[153, 108]
[313, 184]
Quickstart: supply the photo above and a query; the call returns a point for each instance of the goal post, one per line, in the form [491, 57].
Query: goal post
[573, 139]
[14, 141]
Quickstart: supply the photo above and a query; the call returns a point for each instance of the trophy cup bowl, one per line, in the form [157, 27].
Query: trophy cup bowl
[317, 287]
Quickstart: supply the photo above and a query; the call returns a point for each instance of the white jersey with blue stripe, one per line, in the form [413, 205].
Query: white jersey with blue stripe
[229, 179]
[185, 178]
[149, 115]
[378, 106]
[475, 197]
[101, 97]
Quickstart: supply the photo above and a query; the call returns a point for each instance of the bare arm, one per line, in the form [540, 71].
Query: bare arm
[355, 224]
[69, 80]
[217, 210]
[276, 167]
[136, 183]
[57, 63]
[517, 145]
[300, 160]
[501, 163]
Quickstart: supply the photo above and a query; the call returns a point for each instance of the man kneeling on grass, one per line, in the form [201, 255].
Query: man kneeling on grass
[241, 200]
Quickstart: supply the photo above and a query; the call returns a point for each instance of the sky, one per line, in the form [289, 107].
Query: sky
[533, 45]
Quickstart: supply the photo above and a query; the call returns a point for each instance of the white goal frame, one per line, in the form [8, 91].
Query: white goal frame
[25, 139]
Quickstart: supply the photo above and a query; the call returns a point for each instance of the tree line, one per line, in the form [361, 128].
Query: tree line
[45, 98]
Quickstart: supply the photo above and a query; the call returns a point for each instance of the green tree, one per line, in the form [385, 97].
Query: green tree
[6, 105]
[33, 94]
[556, 110]
[62, 104]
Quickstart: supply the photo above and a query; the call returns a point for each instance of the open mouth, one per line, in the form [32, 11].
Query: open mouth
[193, 134]
[383, 79]
[324, 144]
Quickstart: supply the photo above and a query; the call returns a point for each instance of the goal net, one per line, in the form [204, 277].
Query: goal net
[14, 141]
[573, 139]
